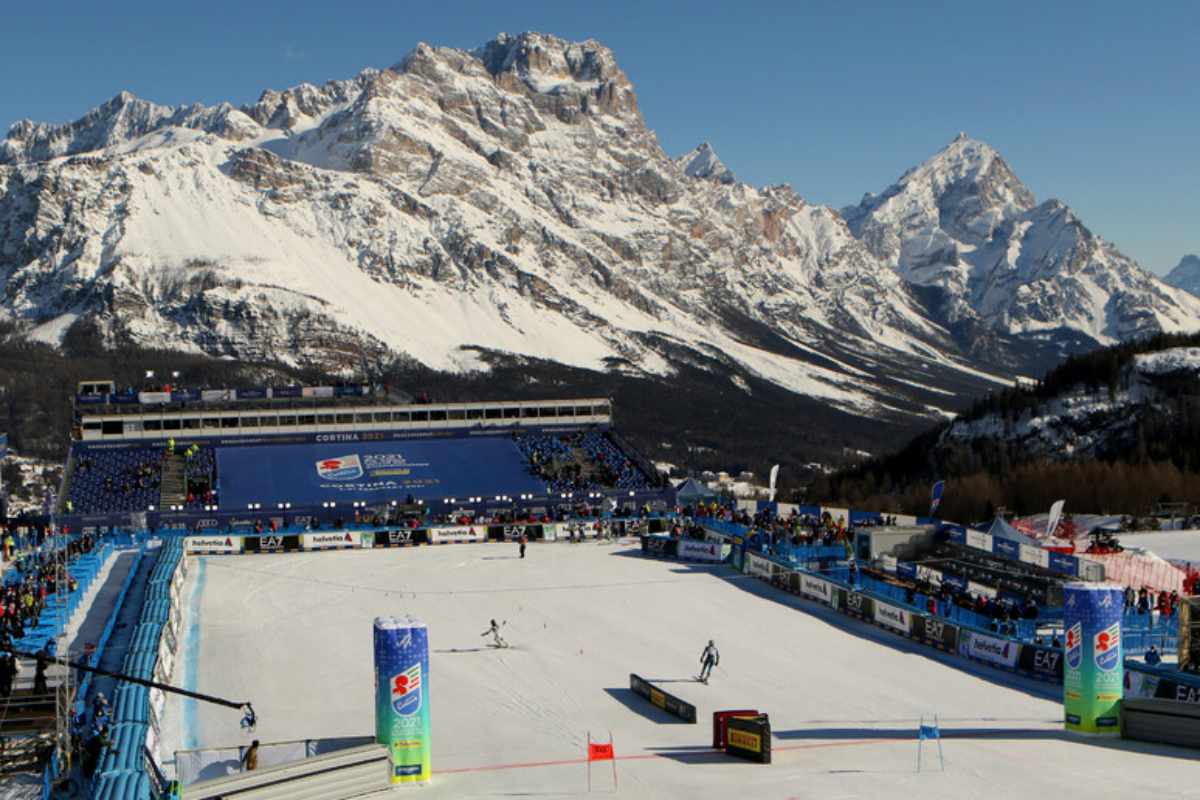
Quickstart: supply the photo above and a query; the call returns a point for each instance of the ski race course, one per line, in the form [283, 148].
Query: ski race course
[292, 633]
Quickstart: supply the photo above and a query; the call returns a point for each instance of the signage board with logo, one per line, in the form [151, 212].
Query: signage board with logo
[696, 550]
[1045, 662]
[458, 533]
[331, 540]
[1093, 676]
[226, 545]
[749, 738]
[860, 605]
[992, 649]
[893, 617]
[936, 631]
[662, 699]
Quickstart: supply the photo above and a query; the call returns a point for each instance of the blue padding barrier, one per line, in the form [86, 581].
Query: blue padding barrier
[308, 474]
[128, 739]
[124, 785]
[131, 703]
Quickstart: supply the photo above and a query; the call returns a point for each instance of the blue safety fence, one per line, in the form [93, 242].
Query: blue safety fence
[1139, 631]
[121, 774]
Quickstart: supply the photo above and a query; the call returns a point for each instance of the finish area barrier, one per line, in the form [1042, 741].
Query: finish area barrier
[664, 700]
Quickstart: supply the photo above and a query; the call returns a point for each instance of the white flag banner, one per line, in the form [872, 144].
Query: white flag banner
[1055, 515]
[774, 477]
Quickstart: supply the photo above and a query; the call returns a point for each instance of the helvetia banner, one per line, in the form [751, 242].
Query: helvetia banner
[1093, 668]
[402, 696]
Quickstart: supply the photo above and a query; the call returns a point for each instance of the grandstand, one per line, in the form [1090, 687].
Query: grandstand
[311, 455]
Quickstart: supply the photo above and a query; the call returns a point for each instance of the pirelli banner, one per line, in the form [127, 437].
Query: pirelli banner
[213, 545]
[749, 738]
[936, 632]
[331, 540]
[664, 700]
[270, 543]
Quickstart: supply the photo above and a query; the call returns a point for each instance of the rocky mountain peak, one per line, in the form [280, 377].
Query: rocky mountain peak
[702, 162]
[1186, 274]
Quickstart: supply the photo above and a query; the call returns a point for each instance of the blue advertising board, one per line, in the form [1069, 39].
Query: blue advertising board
[373, 471]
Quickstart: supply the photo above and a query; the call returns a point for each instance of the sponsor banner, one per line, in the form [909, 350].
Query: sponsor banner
[992, 649]
[936, 631]
[1045, 662]
[1034, 555]
[658, 546]
[271, 543]
[664, 700]
[859, 605]
[285, 391]
[252, 393]
[185, 395]
[1093, 675]
[694, 550]
[399, 538]
[979, 540]
[749, 738]
[893, 617]
[980, 589]
[317, 391]
[721, 722]
[213, 544]
[331, 540]
[956, 533]
[1162, 687]
[402, 696]
[907, 570]
[154, 398]
[955, 582]
[1006, 548]
[353, 390]
[218, 395]
[758, 565]
[459, 533]
[816, 588]
[929, 575]
[549, 532]
[1060, 562]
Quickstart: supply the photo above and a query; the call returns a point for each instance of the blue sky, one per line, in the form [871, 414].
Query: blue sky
[1096, 103]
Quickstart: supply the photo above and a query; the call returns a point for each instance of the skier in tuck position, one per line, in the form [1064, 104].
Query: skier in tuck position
[494, 630]
[708, 659]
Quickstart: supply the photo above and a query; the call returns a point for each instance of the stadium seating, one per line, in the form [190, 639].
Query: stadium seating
[124, 479]
[129, 480]
[580, 461]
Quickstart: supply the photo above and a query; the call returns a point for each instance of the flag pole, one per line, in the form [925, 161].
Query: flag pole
[613, 759]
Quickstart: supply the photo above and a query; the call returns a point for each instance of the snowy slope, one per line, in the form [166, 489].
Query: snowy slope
[508, 200]
[293, 632]
[963, 224]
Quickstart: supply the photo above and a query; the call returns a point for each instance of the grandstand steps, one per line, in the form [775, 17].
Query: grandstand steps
[173, 488]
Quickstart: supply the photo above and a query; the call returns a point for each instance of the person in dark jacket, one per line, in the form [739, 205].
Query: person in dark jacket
[250, 758]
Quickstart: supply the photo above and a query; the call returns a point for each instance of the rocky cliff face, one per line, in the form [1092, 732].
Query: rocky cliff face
[963, 225]
[458, 206]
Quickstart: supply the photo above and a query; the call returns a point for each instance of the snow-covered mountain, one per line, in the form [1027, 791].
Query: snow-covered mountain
[1186, 275]
[1107, 422]
[964, 227]
[702, 162]
[456, 207]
